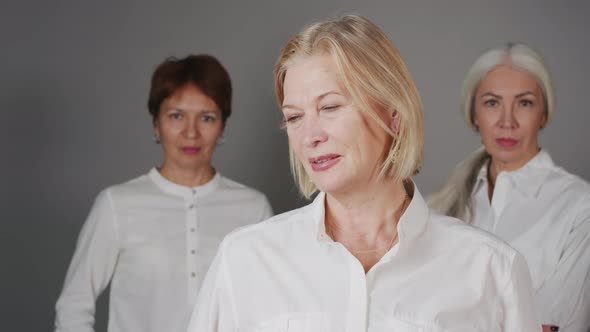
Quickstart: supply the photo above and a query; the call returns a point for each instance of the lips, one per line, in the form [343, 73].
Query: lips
[324, 162]
[506, 142]
[190, 150]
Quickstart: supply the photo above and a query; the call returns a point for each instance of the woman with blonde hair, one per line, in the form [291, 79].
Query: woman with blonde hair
[366, 254]
[512, 188]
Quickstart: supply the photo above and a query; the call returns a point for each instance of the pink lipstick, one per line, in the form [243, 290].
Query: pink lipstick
[506, 142]
[324, 162]
[190, 150]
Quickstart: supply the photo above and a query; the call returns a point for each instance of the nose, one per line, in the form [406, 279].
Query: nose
[507, 118]
[191, 129]
[313, 131]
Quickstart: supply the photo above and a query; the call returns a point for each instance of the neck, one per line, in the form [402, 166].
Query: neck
[188, 178]
[369, 216]
[496, 166]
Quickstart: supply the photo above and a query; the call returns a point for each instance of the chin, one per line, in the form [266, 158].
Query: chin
[332, 185]
[195, 164]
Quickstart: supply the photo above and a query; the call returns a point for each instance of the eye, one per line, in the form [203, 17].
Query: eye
[175, 116]
[329, 107]
[490, 103]
[208, 118]
[293, 118]
[525, 102]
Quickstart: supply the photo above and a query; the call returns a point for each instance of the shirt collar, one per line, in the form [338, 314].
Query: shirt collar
[528, 179]
[411, 224]
[180, 190]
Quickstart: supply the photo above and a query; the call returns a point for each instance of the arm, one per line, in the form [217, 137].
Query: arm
[214, 310]
[90, 270]
[564, 297]
[517, 299]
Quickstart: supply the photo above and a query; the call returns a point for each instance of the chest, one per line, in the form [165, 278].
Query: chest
[332, 292]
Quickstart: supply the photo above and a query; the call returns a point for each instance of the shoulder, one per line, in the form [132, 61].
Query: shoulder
[275, 231]
[462, 236]
[555, 180]
[133, 186]
[566, 181]
[132, 192]
[239, 190]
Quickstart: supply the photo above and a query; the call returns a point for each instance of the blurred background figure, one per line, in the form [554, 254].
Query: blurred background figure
[512, 188]
[153, 237]
[366, 254]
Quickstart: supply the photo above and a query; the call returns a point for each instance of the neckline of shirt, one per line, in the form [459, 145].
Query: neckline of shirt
[180, 190]
[528, 178]
[411, 224]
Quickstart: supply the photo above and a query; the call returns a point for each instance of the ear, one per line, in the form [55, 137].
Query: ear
[394, 122]
[156, 125]
[543, 120]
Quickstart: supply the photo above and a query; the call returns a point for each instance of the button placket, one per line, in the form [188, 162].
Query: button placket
[358, 304]
[501, 193]
[192, 239]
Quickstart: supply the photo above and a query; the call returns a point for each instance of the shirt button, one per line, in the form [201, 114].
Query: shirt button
[194, 191]
[192, 229]
[193, 274]
[191, 206]
[193, 251]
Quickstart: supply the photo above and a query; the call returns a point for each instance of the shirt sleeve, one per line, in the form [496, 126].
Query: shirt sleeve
[90, 270]
[518, 305]
[214, 310]
[564, 297]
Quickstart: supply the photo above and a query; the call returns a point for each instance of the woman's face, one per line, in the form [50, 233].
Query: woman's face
[509, 111]
[341, 148]
[188, 125]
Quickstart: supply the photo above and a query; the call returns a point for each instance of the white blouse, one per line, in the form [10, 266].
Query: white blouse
[286, 274]
[544, 212]
[153, 240]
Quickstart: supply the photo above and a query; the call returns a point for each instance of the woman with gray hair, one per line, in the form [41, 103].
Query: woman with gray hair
[512, 188]
[366, 254]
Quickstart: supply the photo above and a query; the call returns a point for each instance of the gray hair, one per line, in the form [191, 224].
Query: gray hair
[454, 198]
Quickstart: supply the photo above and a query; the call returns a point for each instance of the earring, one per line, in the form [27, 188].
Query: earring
[221, 140]
[156, 139]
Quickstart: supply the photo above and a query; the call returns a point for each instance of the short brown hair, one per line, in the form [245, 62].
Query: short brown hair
[203, 71]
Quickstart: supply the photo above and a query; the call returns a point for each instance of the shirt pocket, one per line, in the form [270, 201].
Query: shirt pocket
[396, 324]
[296, 322]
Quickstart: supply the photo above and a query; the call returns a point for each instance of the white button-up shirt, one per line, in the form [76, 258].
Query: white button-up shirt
[544, 213]
[286, 274]
[155, 240]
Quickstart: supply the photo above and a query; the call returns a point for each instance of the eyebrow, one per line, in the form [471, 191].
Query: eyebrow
[183, 110]
[522, 94]
[317, 98]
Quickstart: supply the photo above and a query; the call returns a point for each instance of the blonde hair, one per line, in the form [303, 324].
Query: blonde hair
[454, 198]
[374, 74]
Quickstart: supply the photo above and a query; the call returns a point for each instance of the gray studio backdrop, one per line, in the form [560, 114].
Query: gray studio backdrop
[74, 78]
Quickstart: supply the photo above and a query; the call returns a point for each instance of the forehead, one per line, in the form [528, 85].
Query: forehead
[311, 76]
[190, 97]
[508, 79]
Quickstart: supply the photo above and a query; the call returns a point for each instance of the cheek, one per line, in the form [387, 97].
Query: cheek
[532, 130]
[294, 141]
[212, 133]
[167, 130]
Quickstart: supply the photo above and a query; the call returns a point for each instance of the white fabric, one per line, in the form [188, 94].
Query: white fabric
[155, 240]
[544, 213]
[286, 274]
